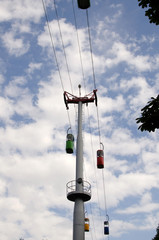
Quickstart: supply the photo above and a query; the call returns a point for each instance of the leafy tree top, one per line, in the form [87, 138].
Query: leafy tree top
[157, 234]
[150, 116]
[153, 10]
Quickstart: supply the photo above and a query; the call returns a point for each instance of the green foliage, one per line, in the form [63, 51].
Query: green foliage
[157, 234]
[153, 10]
[149, 116]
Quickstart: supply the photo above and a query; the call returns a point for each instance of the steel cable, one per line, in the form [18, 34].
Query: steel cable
[57, 17]
[94, 79]
[54, 52]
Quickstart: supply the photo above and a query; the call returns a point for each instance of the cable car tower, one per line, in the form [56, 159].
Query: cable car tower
[78, 190]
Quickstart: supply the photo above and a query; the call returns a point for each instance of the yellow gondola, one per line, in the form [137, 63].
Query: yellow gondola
[86, 225]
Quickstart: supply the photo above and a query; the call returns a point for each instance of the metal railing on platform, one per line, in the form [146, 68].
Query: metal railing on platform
[71, 186]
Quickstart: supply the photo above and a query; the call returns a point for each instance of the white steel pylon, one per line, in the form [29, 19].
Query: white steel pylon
[79, 191]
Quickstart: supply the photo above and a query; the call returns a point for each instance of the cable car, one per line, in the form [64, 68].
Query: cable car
[69, 142]
[83, 4]
[86, 225]
[106, 226]
[100, 157]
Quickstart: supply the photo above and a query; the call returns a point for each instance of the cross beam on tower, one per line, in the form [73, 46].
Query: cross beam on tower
[70, 98]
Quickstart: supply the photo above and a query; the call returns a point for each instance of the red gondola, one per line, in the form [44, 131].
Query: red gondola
[100, 157]
[83, 4]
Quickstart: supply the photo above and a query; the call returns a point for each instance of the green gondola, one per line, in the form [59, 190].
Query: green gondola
[69, 143]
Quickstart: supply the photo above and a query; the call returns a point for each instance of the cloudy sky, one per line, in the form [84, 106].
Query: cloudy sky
[41, 56]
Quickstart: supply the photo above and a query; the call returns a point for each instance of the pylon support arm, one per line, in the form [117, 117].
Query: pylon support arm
[70, 98]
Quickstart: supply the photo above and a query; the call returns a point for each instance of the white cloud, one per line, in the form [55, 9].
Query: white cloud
[131, 184]
[120, 227]
[109, 104]
[145, 206]
[2, 79]
[122, 54]
[142, 88]
[151, 161]
[114, 17]
[23, 10]
[6, 109]
[33, 66]
[15, 45]
[122, 143]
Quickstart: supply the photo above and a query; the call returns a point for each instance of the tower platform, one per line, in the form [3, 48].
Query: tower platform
[78, 189]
